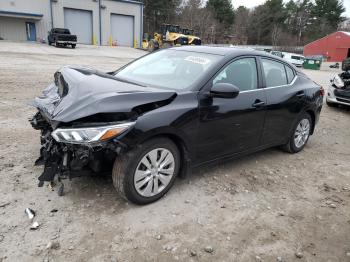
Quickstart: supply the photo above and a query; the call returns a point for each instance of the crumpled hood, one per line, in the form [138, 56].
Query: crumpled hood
[79, 92]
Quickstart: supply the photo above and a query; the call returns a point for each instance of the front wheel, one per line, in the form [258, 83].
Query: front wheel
[73, 46]
[300, 134]
[146, 173]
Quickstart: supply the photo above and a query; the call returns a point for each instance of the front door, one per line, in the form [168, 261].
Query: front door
[232, 125]
[31, 32]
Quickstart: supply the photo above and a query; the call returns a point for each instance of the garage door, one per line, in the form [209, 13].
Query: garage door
[122, 29]
[79, 22]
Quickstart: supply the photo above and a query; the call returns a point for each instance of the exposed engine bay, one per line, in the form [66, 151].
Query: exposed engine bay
[71, 160]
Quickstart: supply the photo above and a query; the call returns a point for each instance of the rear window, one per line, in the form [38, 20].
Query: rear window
[62, 31]
[296, 57]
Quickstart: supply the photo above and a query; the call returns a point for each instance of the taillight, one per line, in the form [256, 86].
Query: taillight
[322, 91]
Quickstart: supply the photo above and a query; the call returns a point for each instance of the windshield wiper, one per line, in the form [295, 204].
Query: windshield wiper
[128, 81]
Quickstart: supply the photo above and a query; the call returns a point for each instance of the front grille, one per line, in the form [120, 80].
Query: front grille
[343, 100]
[342, 93]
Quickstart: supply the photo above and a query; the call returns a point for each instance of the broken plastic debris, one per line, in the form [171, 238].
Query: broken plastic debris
[51, 186]
[30, 213]
[34, 226]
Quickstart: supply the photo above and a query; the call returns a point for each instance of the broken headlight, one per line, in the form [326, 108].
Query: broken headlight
[89, 134]
[337, 82]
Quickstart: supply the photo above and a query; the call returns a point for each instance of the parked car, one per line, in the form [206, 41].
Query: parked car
[61, 37]
[277, 53]
[338, 92]
[171, 110]
[295, 59]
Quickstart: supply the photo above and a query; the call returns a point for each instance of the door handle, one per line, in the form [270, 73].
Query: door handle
[258, 103]
[300, 94]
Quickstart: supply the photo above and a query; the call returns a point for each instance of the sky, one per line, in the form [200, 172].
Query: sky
[252, 3]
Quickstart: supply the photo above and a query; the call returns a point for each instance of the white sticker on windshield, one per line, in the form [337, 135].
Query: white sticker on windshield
[197, 60]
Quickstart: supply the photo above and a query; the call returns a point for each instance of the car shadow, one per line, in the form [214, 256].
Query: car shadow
[89, 189]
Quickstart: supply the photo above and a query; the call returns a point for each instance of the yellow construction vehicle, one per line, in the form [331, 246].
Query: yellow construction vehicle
[169, 35]
[192, 39]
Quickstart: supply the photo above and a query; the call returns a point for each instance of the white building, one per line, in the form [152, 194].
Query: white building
[93, 21]
[345, 25]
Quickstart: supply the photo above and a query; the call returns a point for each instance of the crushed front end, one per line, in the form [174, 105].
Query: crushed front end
[339, 90]
[72, 158]
[84, 117]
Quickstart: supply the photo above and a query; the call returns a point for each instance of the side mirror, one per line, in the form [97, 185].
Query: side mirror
[224, 90]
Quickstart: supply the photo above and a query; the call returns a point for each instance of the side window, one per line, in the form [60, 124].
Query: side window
[290, 74]
[275, 74]
[241, 73]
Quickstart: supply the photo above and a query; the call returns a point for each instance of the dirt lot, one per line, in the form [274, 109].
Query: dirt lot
[271, 206]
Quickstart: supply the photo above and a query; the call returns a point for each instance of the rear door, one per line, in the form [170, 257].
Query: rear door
[285, 99]
[232, 125]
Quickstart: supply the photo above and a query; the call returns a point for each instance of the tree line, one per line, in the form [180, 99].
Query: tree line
[275, 23]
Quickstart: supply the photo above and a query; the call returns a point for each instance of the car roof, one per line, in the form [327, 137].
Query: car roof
[231, 52]
[224, 51]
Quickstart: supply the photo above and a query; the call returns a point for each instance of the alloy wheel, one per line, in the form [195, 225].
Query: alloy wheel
[302, 133]
[154, 172]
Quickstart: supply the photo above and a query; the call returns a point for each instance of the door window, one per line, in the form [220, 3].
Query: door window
[275, 74]
[241, 73]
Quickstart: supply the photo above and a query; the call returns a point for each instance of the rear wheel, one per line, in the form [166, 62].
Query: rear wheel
[73, 46]
[146, 173]
[300, 134]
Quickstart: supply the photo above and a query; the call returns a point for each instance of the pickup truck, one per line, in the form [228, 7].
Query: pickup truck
[61, 37]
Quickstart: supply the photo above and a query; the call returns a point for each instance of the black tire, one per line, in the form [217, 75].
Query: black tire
[331, 104]
[73, 46]
[125, 166]
[291, 147]
[151, 46]
[167, 45]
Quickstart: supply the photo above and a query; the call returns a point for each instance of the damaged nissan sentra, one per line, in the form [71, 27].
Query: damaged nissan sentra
[169, 111]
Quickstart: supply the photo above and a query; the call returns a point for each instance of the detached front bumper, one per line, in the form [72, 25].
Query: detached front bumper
[337, 96]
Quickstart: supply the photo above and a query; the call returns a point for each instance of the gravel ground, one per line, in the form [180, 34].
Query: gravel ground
[270, 206]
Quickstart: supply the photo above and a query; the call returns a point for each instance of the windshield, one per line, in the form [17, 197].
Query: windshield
[169, 69]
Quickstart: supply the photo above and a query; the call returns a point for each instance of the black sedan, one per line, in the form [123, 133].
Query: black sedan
[169, 111]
